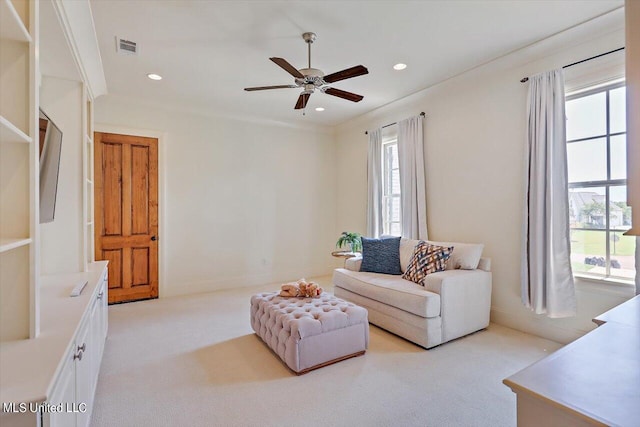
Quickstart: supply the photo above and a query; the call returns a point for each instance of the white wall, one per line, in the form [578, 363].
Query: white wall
[61, 240]
[474, 132]
[242, 203]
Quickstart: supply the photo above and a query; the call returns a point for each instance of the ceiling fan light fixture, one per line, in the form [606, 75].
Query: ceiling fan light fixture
[399, 66]
[153, 76]
[309, 79]
[319, 108]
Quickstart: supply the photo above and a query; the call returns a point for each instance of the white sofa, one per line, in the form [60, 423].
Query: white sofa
[451, 304]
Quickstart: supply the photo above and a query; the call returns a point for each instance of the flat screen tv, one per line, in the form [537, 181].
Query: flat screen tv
[50, 149]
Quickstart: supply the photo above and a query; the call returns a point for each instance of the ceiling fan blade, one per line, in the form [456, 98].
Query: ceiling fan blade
[249, 89]
[344, 94]
[282, 63]
[302, 101]
[358, 70]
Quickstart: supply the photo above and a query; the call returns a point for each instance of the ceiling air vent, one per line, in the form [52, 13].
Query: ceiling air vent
[126, 47]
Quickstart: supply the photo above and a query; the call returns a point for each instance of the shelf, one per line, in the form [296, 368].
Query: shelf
[10, 133]
[8, 244]
[11, 25]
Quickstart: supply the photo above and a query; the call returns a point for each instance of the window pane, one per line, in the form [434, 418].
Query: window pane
[587, 207]
[619, 157]
[395, 181]
[395, 229]
[391, 189]
[587, 160]
[386, 209]
[620, 213]
[586, 116]
[622, 255]
[394, 214]
[617, 112]
[588, 251]
[394, 156]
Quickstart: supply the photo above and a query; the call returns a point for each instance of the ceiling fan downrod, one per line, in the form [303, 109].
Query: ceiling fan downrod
[309, 38]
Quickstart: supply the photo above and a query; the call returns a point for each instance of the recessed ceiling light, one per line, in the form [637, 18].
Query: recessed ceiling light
[154, 76]
[400, 66]
[319, 109]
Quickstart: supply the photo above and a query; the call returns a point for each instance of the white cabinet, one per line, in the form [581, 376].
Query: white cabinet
[85, 352]
[101, 306]
[64, 392]
[76, 384]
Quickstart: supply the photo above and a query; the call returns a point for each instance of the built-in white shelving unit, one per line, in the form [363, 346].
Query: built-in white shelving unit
[59, 365]
[12, 26]
[6, 244]
[89, 239]
[10, 133]
[19, 228]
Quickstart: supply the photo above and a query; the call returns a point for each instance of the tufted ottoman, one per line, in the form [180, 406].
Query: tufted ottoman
[309, 333]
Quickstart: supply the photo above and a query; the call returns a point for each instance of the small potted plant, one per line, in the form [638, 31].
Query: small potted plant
[350, 240]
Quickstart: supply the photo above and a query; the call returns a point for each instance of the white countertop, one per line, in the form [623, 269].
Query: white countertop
[28, 368]
[596, 376]
[627, 313]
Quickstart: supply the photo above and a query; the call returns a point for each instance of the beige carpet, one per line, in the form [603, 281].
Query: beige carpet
[194, 361]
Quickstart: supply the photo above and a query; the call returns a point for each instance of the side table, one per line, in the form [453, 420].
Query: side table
[344, 254]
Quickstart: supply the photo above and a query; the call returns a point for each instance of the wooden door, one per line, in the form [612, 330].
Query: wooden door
[126, 214]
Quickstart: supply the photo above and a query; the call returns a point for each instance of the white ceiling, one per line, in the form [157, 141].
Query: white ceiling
[208, 51]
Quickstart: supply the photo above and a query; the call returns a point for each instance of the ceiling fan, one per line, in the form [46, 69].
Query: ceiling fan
[310, 79]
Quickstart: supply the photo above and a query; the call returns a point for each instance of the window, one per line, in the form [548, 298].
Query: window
[598, 210]
[391, 219]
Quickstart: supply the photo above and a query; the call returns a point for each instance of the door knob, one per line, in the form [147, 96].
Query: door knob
[154, 238]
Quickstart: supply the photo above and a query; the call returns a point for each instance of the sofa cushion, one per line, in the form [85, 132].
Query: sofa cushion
[391, 290]
[406, 252]
[381, 255]
[426, 259]
[465, 256]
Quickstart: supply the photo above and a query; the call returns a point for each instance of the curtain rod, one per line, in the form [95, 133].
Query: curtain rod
[394, 123]
[526, 79]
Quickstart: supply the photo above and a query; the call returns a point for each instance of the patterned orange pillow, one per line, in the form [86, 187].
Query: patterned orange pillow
[426, 259]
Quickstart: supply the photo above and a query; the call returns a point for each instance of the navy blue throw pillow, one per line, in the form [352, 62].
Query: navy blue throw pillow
[381, 255]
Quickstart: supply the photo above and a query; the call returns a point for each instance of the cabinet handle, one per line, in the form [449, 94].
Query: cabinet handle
[78, 355]
[83, 347]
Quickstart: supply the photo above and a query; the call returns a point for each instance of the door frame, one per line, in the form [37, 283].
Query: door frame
[162, 137]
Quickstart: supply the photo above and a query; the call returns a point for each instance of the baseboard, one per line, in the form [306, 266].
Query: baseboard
[219, 284]
[532, 324]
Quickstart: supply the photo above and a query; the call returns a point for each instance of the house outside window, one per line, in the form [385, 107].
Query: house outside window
[391, 218]
[598, 210]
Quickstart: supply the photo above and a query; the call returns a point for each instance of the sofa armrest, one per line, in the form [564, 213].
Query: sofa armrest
[353, 263]
[465, 300]
[484, 264]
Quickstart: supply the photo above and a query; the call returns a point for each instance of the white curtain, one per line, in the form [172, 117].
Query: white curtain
[547, 279]
[413, 202]
[374, 184]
